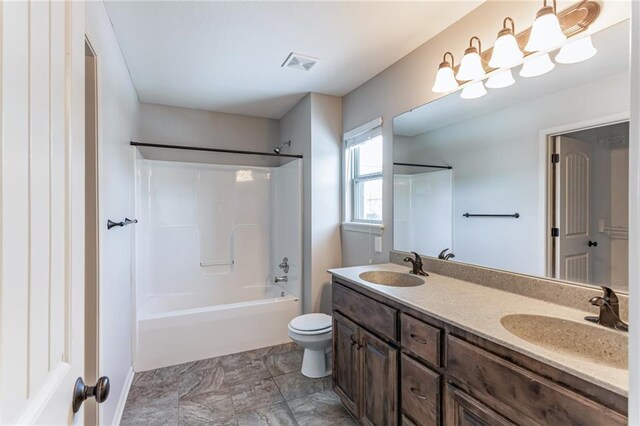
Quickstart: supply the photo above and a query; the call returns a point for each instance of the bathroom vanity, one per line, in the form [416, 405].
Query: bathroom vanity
[458, 353]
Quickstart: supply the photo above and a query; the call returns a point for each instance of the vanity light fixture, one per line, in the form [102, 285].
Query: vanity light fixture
[550, 30]
[546, 32]
[506, 51]
[500, 79]
[537, 65]
[471, 65]
[576, 51]
[445, 79]
[473, 90]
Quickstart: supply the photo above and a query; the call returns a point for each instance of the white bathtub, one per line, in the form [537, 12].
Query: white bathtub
[208, 244]
[178, 328]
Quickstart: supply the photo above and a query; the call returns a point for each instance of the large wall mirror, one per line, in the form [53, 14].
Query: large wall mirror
[531, 178]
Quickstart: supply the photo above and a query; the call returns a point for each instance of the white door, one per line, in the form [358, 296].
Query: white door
[574, 261]
[41, 210]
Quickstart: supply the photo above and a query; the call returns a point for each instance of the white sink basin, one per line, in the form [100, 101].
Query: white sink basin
[392, 279]
[591, 342]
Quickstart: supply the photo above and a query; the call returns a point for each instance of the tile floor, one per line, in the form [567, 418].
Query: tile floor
[259, 387]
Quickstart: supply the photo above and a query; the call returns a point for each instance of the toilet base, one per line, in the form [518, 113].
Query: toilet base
[314, 364]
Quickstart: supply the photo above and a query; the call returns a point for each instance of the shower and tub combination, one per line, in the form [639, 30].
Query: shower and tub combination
[210, 242]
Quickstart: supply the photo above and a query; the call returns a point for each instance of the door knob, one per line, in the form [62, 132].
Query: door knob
[81, 392]
[593, 244]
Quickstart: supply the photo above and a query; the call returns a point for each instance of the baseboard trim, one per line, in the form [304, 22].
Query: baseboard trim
[123, 397]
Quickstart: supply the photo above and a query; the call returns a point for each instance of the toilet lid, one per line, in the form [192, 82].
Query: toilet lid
[311, 322]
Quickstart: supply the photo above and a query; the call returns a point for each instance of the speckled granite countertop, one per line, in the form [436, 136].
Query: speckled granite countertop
[479, 309]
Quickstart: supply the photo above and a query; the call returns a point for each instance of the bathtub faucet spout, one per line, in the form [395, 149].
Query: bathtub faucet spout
[282, 279]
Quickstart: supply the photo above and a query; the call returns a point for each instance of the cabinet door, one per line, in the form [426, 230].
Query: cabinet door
[462, 410]
[379, 395]
[346, 365]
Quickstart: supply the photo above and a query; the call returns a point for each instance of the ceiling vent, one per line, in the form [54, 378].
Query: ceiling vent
[300, 62]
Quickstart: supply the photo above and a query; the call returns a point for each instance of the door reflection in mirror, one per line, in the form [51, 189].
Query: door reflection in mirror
[590, 182]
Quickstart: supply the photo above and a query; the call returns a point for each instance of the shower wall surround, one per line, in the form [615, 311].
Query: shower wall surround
[208, 245]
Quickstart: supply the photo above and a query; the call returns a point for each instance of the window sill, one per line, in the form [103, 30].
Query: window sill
[366, 228]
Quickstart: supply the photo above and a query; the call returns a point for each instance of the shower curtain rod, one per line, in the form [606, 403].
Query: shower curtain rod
[422, 165]
[224, 151]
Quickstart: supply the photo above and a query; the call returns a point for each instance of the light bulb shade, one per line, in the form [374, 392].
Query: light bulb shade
[546, 32]
[471, 66]
[445, 80]
[506, 52]
[537, 65]
[576, 51]
[500, 80]
[473, 90]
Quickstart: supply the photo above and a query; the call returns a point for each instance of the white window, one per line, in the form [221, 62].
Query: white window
[364, 174]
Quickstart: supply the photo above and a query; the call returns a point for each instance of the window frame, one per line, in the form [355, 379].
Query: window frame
[357, 198]
[352, 200]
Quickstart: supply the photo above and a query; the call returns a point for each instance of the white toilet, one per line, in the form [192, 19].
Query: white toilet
[313, 333]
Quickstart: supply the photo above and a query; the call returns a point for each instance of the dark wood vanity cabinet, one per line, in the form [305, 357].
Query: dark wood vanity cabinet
[365, 373]
[463, 410]
[379, 373]
[420, 393]
[394, 365]
[346, 371]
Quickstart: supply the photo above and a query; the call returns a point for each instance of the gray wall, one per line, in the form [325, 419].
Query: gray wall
[407, 84]
[185, 126]
[326, 150]
[315, 130]
[296, 127]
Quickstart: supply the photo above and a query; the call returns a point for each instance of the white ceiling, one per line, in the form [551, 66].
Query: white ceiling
[227, 56]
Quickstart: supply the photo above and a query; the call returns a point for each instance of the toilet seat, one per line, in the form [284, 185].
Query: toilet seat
[314, 333]
[311, 324]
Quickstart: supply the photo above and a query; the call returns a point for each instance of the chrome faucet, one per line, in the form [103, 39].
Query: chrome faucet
[282, 279]
[443, 256]
[609, 310]
[417, 265]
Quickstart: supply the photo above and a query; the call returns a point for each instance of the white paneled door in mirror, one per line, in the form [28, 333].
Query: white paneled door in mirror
[41, 210]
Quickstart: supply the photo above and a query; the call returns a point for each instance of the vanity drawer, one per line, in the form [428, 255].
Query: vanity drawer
[420, 393]
[420, 339]
[536, 398]
[373, 315]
